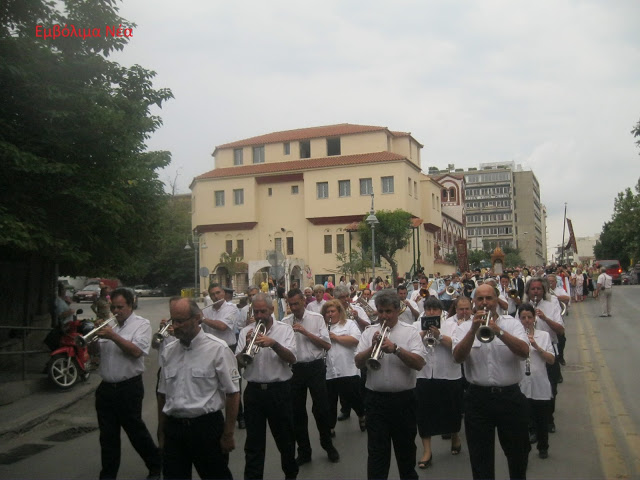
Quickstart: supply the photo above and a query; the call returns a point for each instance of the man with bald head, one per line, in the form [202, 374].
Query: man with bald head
[493, 400]
[199, 378]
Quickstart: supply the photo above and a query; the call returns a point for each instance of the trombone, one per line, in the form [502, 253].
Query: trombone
[92, 336]
[373, 362]
[252, 349]
[163, 333]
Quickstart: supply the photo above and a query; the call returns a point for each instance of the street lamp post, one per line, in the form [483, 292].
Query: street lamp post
[372, 221]
[197, 244]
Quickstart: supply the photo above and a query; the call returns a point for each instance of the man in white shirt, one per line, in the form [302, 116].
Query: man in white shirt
[268, 393]
[494, 400]
[353, 310]
[190, 405]
[119, 396]
[410, 307]
[309, 373]
[316, 305]
[219, 318]
[605, 285]
[390, 401]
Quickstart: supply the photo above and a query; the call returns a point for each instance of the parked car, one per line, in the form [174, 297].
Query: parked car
[614, 269]
[88, 294]
[629, 278]
[147, 291]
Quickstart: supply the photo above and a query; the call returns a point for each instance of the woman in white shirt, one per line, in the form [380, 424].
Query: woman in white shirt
[535, 386]
[439, 386]
[343, 377]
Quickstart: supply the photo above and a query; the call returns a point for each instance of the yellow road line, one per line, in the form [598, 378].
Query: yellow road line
[611, 460]
[619, 412]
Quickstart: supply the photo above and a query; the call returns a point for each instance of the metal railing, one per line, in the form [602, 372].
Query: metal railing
[24, 352]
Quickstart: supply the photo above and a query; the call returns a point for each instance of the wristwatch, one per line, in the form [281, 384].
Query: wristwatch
[395, 349]
[500, 333]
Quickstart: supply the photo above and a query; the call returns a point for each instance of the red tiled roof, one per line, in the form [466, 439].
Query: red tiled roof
[303, 134]
[307, 164]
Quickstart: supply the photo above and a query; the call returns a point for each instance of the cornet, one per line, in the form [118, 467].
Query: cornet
[485, 334]
[373, 362]
[163, 333]
[252, 349]
[92, 336]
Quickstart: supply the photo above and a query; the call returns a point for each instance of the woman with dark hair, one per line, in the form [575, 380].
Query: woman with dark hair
[439, 385]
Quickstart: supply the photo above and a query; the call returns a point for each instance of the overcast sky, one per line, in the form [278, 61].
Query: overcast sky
[552, 85]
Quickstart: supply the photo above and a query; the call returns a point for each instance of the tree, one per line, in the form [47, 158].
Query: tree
[232, 263]
[476, 257]
[452, 258]
[352, 264]
[392, 234]
[77, 186]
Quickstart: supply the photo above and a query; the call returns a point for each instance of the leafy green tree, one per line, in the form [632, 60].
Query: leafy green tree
[352, 264]
[392, 234]
[232, 262]
[77, 186]
[476, 257]
[452, 258]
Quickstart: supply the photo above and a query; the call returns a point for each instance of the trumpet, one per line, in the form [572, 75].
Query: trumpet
[429, 340]
[485, 334]
[92, 336]
[373, 362]
[513, 293]
[163, 333]
[450, 290]
[252, 349]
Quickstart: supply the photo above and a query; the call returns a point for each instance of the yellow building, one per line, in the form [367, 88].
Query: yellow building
[297, 191]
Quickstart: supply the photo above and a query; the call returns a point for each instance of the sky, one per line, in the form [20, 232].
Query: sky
[551, 85]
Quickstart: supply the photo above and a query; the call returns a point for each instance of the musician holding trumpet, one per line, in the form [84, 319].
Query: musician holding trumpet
[394, 353]
[493, 348]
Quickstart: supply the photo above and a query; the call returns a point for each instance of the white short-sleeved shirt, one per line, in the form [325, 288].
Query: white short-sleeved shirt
[492, 364]
[362, 315]
[226, 314]
[407, 316]
[340, 362]
[551, 309]
[267, 366]
[393, 375]
[195, 379]
[560, 292]
[306, 350]
[536, 386]
[115, 365]
[440, 363]
[316, 306]
[605, 280]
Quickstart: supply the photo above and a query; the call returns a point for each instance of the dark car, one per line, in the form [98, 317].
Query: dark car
[88, 294]
[614, 269]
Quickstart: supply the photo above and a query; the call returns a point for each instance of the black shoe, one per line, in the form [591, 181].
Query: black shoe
[332, 453]
[344, 416]
[562, 362]
[362, 421]
[560, 379]
[302, 459]
[241, 424]
[543, 454]
[446, 436]
[552, 428]
[533, 438]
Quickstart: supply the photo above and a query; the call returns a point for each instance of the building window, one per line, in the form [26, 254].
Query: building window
[270, 191]
[289, 245]
[238, 196]
[333, 146]
[229, 246]
[415, 189]
[366, 186]
[445, 195]
[240, 247]
[237, 156]
[305, 149]
[433, 201]
[278, 244]
[340, 243]
[219, 196]
[323, 189]
[294, 189]
[287, 148]
[327, 244]
[344, 188]
[387, 184]
[409, 185]
[258, 154]
[452, 195]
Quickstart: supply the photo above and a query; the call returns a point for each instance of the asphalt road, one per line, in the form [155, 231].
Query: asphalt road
[597, 417]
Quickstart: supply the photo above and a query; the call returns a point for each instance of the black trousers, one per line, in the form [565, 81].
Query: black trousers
[391, 417]
[553, 373]
[119, 405]
[310, 376]
[562, 342]
[270, 402]
[347, 388]
[194, 442]
[539, 419]
[504, 408]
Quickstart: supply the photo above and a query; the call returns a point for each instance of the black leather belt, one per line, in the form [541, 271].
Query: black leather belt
[123, 383]
[187, 422]
[492, 389]
[267, 386]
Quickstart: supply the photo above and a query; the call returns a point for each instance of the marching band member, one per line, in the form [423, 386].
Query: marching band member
[353, 310]
[408, 308]
[267, 396]
[198, 379]
[309, 373]
[316, 306]
[343, 378]
[390, 401]
[536, 386]
[512, 301]
[563, 296]
[219, 318]
[493, 399]
[439, 386]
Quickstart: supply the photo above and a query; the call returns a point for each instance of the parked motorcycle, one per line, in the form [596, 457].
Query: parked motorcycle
[69, 361]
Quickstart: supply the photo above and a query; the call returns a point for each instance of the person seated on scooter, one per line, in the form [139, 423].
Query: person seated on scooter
[63, 312]
[102, 304]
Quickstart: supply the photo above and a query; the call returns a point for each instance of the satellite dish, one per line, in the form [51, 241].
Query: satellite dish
[204, 272]
[275, 257]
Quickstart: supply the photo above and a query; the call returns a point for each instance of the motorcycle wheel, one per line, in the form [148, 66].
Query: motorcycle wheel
[63, 374]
